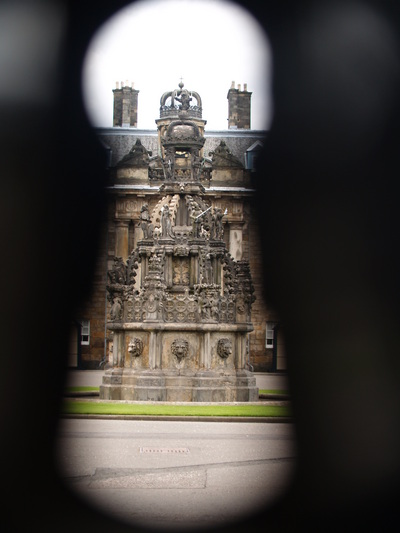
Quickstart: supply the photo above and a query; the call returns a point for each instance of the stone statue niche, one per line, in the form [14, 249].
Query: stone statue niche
[180, 322]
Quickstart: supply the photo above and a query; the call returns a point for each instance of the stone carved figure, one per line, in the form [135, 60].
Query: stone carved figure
[156, 233]
[195, 165]
[118, 273]
[156, 263]
[135, 347]
[166, 224]
[180, 348]
[169, 166]
[204, 234]
[218, 231]
[215, 308]
[116, 309]
[195, 218]
[151, 306]
[208, 270]
[206, 309]
[145, 224]
[224, 348]
[184, 100]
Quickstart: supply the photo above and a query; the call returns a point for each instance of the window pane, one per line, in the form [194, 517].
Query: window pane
[85, 331]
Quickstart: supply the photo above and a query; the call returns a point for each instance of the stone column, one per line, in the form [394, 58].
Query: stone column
[218, 276]
[194, 268]
[168, 269]
[158, 347]
[205, 355]
[240, 350]
[122, 239]
[153, 350]
[137, 235]
[144, 267]
[235, 240]
[137, 232]
[118, 349]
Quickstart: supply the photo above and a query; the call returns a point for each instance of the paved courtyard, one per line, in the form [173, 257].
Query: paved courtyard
[176, 475]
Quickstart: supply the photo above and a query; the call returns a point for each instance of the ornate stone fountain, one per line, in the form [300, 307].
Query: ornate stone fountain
[180, 305]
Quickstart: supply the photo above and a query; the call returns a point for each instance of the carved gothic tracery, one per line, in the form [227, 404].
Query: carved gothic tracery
[184, 265]
[181, 271]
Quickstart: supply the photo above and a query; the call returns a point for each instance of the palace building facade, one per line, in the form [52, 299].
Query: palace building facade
[150, 169]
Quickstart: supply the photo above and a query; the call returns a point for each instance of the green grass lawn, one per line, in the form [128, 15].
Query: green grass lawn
[100, 408]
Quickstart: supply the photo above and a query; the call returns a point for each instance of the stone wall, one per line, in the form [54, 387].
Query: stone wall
[93, 309]
[261, 313]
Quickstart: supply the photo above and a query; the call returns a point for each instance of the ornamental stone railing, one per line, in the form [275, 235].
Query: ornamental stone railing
[194, 111]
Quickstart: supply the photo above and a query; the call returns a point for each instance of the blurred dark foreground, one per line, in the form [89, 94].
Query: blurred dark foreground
[327, 202]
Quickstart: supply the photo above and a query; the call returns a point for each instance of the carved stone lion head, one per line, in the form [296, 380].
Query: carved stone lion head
[180, 348]
[224, 348]
[135, 347]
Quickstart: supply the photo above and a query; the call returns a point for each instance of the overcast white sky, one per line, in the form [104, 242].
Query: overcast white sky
[153, 43]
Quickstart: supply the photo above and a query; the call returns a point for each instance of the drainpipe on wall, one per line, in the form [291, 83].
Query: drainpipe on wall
[78, 326]
[275, 349]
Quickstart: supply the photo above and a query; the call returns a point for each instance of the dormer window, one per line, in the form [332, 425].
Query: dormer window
[252, 154]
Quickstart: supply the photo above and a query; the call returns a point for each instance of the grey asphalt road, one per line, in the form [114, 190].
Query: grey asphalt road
[176, 475]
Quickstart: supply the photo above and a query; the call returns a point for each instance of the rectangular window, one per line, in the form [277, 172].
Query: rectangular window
[85, 331]
[269, 335]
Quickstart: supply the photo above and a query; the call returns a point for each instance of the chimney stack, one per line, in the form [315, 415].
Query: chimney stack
[125, 105]
[239, 107]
